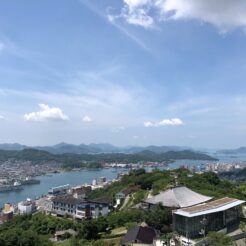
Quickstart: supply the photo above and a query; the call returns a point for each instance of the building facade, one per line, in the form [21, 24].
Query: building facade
[216, 215]
[26, 207]
[68, 205]
[59, 190]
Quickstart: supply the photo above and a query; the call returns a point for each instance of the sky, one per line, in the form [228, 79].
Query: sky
[125, 72]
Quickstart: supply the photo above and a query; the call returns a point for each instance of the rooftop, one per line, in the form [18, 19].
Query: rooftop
[178, 197]
[101, 200]
[69, 199]
[82, 190]
[210, 207]
[140, 233]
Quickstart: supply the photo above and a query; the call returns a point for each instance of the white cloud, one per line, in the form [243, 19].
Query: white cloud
[46, 114]
[164, 122]
[118, 129]
[87, 119]
[135, 12]
[2, 117]
[225, 14]
[149, 124]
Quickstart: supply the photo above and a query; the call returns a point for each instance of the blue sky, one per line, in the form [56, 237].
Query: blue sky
[126, 72]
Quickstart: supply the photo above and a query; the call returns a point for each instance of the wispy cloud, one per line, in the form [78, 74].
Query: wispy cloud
[200, 111]
[2, 46]
[94, 92]
[37, 59]
[46, 114]
[118, 129]
[110, 19]
[2, 117]
[164, 122]
[87, 119]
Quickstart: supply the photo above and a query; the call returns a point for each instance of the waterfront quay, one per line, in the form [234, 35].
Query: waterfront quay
[67, 194]
[73, 177]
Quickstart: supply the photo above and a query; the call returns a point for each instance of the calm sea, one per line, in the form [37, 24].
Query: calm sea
[73, 178]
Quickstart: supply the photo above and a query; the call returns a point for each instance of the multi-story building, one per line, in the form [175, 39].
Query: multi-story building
[68, 205]
[27, 207]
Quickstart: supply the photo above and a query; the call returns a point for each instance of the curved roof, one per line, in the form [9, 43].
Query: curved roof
[210, 207]
[178, 197]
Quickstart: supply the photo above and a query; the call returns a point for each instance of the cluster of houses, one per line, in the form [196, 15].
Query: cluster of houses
[62, 201]
[24, 207]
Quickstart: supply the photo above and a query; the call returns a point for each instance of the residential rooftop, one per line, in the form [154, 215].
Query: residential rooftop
[142, 234]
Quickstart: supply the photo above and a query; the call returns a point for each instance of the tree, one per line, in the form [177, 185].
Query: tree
[160, 218]
[74, 241]
[243, 229]
[102, 224]
[19, 237]
[130, 225]
[89, 230]
[211, 177]
[219, 239]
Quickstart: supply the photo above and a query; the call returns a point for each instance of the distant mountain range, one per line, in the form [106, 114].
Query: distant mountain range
[64, 148]
[241, 150]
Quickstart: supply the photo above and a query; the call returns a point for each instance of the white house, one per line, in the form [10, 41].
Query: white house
[26, 207]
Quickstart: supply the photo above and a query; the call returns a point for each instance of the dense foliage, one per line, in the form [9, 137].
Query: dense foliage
[207, 183]
[219, 239]
[40, 227]
[31, 230]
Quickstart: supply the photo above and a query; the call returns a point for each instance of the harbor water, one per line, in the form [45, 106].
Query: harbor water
[75, 178]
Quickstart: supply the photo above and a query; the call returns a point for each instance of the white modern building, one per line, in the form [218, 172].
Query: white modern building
[67, 205]
[26, 207]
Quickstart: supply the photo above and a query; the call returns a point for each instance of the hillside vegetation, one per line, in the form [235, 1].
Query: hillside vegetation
[95, 160]
[207, 183]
